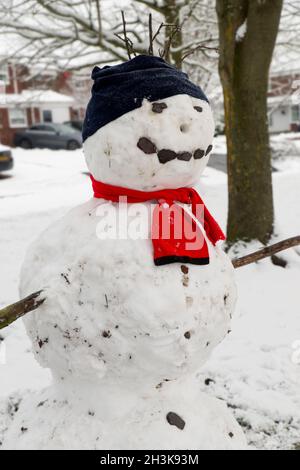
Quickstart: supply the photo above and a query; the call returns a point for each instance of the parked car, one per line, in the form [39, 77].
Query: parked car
[75, 124]
[6, 159]
[54, 136]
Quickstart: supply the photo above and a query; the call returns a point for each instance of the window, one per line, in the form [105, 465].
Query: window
[41, 128]
[47, 115]
[271, 119]
[4, 74]
[295, 113]
[48, 129]
[17, 117]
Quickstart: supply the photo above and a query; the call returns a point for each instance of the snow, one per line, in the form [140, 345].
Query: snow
[283, 144]
[145, 172]
[280, 100]
[220, 145]
[254, 370]
[3, 148]
[35, 97]
[114, 359]
[241, 32]
[124, 431]
[42, 186]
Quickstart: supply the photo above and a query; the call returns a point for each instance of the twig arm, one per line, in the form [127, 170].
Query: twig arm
[12, 312]
[266, 252]
[125, 35]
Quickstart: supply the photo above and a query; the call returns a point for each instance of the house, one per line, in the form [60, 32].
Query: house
[47, 97]
[284, 102]
[21, 110]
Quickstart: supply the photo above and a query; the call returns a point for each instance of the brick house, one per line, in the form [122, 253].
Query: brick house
[284, 102]
[45, 98]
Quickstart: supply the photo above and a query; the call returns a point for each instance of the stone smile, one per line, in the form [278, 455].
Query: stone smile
[166, 155]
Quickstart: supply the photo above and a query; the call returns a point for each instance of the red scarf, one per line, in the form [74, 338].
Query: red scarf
[175, 235]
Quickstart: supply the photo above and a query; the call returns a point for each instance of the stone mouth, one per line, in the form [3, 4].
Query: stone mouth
[166, 155]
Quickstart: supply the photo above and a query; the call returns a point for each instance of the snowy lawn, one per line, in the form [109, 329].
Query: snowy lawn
[281, 144]
[256, 370]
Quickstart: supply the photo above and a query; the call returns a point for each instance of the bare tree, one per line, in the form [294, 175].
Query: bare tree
[195, 42]
[71, 34]
[248, 31]
[286, 65]
[288, 41]
[64, 33]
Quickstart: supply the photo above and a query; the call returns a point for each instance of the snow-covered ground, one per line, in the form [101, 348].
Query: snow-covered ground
[256, 370]
[285, 144]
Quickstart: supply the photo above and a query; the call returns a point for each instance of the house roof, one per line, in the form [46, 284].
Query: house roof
[283, 100]
[285, 71]
[285, 62]
[35, 98]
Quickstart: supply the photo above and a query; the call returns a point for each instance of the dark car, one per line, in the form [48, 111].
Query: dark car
[53, 136]
[6, 159]
[75, 124]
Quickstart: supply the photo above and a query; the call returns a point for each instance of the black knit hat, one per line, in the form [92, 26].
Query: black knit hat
[122, 88]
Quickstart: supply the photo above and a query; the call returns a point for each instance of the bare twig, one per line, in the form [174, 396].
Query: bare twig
[127, 41]
[199, 48]
[175, 30]
[99, 19]
[150, 50]
[266, 252]
[162, 25]
[163, 53]
[11, 313]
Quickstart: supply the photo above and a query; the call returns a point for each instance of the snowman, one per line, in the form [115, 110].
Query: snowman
[132, 315]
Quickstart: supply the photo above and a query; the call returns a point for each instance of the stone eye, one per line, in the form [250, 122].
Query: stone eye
[158, 107]
[198, 108]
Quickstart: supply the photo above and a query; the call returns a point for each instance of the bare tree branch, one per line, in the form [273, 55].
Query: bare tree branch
[99, 19]
[75, 27]
[266, 252]
[11, 313]
[150, 50]
[128, 43]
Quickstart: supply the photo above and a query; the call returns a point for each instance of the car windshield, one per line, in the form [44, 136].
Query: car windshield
[61, 128]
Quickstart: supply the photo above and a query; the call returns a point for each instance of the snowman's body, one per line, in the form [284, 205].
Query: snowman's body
[124, 338]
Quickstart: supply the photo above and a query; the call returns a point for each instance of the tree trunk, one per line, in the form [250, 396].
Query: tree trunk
[244, 70]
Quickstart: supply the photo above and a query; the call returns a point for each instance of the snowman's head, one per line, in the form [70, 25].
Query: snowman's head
[147, 127]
